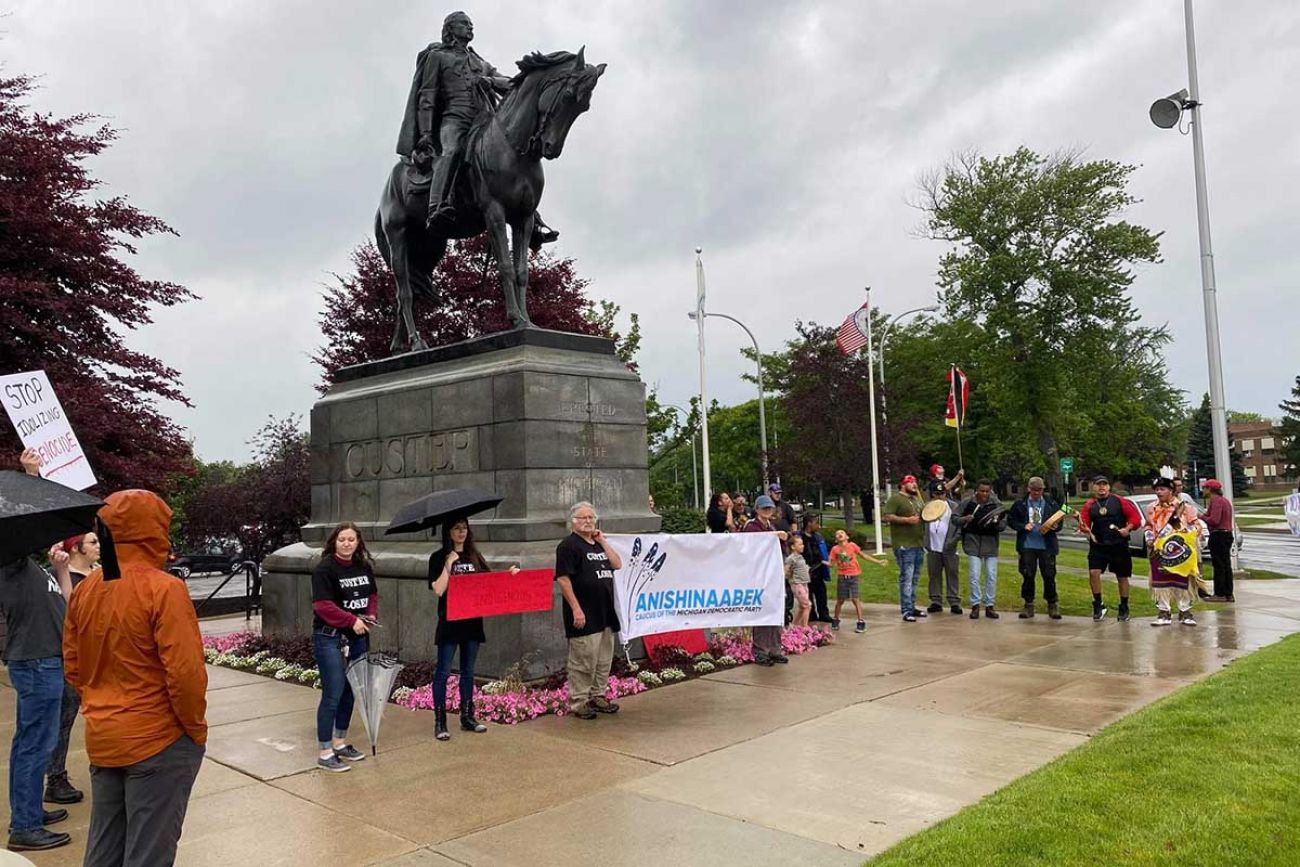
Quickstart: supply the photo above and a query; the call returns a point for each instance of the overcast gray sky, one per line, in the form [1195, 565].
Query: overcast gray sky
[785, 138]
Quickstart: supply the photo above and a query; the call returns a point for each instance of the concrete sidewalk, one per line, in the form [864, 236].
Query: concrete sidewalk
[825, 761]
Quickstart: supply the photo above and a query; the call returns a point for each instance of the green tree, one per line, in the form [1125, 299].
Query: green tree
[1290, 425]
[1041, 261]
[1200, 450]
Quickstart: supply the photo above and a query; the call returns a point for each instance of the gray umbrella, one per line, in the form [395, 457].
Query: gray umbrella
[372, 677]
[35, 513]
[441, 507]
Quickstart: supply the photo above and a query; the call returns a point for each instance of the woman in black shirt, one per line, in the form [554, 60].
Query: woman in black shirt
[345, 601]
[457, 556]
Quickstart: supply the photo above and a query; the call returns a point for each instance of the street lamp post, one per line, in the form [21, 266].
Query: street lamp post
[1166, 113]
[762, 414]
[884, 411]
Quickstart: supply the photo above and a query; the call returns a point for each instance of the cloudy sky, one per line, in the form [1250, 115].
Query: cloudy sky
[785, 138]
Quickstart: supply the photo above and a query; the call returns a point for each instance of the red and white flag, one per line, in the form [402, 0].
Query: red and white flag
[852, 335]
[958, 397]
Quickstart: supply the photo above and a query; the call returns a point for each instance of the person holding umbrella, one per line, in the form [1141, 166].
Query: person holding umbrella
[457, 556]
[345, 603]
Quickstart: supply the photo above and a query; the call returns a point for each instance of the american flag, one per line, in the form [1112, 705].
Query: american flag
[852, 335]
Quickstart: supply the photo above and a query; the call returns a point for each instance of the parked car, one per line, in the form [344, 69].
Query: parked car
[185, 565]
[1137, 541]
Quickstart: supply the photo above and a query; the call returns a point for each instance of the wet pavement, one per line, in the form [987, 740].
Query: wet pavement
[825, 761]
[1277, 552]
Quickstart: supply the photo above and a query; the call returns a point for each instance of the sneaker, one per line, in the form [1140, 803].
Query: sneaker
[1027, 612]
[1185, 618]
[835, 624]
[602, 705]
[1122, 617]
[990, 613]
[919, 613]
[781, 660]
[349, 752]
[1054, 611]
[861, 627]
[956, 609]
[1099, 610]
[585, 712]
[909, 617]
[934, 608]
[764, 660]
[333, 764]
[36, 840]
[1163, 618]
[59, 791]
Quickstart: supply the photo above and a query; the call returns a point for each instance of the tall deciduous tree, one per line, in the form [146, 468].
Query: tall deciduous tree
[68, 295]
[1200, 449]
[1290, 425]
[359, 311]
[1042, 261]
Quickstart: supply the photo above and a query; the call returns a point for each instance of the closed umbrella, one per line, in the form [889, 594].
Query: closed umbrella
[35, 513]
[441, 507]
[372, 677]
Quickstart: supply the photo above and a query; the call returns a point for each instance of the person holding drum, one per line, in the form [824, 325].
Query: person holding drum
[942, 532]
[982, 519]
[1036, 546]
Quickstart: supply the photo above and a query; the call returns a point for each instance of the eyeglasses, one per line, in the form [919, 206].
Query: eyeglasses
[584, 517]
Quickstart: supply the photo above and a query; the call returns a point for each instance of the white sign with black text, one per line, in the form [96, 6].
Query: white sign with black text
[38, 417]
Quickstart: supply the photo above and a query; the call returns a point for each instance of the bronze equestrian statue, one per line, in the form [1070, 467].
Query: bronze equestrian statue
[471, 147]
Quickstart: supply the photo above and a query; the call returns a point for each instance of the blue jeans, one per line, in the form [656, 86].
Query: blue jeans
[39, 685]
[334, 713]
[988, 566]
[468, 653]
[909, 572]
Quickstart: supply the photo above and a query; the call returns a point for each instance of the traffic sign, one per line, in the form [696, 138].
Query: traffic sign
[1067, 465]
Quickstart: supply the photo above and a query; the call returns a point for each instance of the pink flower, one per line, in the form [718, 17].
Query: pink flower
[237, 642]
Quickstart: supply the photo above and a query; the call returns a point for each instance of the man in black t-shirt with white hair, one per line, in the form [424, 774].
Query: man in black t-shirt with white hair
[584, 567]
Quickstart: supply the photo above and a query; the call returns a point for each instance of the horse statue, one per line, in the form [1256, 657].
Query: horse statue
[497, 186]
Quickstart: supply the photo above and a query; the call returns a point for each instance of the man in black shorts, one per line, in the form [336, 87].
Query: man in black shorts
[1108, 520]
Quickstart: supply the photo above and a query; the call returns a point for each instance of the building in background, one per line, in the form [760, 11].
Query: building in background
[1260, 444]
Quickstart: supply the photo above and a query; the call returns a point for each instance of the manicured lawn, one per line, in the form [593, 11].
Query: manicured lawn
[1265, 575]
[1206, 776]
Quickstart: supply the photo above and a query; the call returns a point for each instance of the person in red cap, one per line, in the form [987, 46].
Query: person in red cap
[949, 485]
[1218, 517]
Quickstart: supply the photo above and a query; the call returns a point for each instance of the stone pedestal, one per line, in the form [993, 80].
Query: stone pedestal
[544, 418]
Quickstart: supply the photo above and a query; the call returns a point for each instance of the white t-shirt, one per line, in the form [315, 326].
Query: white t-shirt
[938, 530]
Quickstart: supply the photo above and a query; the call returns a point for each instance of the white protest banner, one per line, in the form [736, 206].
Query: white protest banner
[38, 417]
[671, 582]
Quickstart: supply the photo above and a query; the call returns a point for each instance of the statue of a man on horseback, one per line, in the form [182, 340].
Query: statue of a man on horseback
[472, 145]
[452, 85]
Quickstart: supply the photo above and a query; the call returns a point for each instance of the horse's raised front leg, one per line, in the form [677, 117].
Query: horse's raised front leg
[521, 233]
[497, 237]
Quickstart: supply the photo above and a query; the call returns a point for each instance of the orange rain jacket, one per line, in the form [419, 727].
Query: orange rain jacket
[131, 646]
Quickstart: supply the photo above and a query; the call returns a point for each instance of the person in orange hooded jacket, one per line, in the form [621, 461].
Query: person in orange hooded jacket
[132, 649]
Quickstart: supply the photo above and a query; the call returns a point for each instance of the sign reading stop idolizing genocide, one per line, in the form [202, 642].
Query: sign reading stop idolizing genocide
[38, 417]
[671, 582]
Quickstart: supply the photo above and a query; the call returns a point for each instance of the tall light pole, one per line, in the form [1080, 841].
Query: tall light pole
[695, 473]
[1165, 113]
[704, 400]
[884, 411]
[762, 414]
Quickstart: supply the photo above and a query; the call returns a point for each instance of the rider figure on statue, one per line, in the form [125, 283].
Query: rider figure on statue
[452, 85]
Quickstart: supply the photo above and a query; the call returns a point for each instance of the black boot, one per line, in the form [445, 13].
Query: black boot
[440, 724]
[469, 724]
[59, 791]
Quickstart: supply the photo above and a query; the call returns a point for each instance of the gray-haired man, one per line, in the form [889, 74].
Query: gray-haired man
[584, 567]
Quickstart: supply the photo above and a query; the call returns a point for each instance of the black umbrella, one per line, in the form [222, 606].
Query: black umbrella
[440, 507]
[35, 513]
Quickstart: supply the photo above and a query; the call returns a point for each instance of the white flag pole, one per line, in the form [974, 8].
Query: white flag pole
[704, 401]
[875, 451]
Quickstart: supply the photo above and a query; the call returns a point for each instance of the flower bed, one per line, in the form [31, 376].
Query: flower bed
[502, 701]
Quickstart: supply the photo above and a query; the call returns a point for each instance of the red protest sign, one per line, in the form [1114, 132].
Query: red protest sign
[690, 640]
[485, 594]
